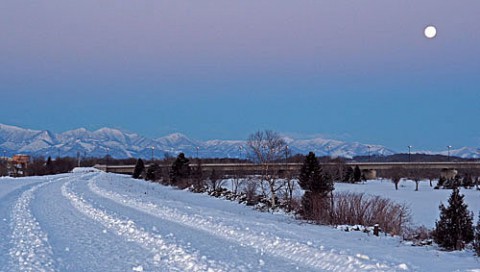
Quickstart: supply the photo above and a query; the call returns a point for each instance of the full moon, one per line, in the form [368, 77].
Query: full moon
[430, 32]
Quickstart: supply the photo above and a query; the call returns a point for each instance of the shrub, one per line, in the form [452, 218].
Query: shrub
[250, 192]
[420, 236]
[361, 209]
[153, 172]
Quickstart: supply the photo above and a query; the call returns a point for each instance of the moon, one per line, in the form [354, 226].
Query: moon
[430, 32]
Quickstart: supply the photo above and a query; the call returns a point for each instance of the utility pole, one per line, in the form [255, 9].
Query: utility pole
[153, 153]
[240, 149]
[286, 157]
[107, 158]
[449, 146]
[369, 154]
[409, 153]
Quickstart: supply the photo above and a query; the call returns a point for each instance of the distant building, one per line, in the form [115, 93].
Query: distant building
[18, 165]
[448, 174]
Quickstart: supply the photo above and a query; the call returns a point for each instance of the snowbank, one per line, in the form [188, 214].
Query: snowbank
[85, 170]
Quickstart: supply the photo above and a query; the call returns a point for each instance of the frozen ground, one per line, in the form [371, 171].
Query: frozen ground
[92, 221]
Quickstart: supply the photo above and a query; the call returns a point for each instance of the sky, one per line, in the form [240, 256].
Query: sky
[348, 70]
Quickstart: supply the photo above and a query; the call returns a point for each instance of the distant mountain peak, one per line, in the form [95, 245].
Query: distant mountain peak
[176, 137]
[121, 144]
[108, 130]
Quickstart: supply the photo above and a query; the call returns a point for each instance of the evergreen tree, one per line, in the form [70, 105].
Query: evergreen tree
[180, 170]
[139, 168]
[455, 225]
[357, 174]
[317, 186]
[467, 181]
[49, 166]
[348, 175]
[476, 241]
[441, 182]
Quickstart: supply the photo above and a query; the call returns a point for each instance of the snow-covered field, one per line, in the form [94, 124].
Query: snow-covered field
[93, 221]
[423, 203]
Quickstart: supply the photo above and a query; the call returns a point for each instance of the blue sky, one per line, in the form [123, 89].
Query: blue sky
[349, 70]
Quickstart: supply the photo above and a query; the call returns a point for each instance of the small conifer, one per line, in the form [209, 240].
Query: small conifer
[139, 168]
[476, 240]
[455, 226]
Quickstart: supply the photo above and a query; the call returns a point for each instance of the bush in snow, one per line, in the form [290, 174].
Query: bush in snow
[419, 236]
[154, 172]
[455, 227]
[215, 181]
[251, 192]
[360, 209]
[199, 184]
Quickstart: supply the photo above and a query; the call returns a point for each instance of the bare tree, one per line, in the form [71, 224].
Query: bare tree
[216, 180]
[198, 177]
[265, 147]
[396, 174]
[431, 175]
[238, 178]
[289, 189]
[415, 175]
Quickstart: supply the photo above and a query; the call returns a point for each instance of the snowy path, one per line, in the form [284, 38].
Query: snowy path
[10, 192]
[30, 251]
[174, 257]
[78, 242]
[106, 222]
[263, 242]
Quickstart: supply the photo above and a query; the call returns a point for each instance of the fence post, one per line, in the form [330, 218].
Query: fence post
[376, 230]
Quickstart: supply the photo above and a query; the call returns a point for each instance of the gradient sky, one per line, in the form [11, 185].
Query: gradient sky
[349, 70]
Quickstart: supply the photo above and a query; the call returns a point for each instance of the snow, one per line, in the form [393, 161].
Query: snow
[424, 203]
[85, 170]
[93, 221]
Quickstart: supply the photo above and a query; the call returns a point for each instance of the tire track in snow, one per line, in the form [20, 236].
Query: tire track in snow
[173, 256]
[266, 244]
[31, 250]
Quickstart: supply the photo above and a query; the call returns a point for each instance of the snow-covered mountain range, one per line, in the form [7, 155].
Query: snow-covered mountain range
[120, 144]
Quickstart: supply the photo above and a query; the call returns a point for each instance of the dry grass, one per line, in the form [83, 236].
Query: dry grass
[366, 210]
